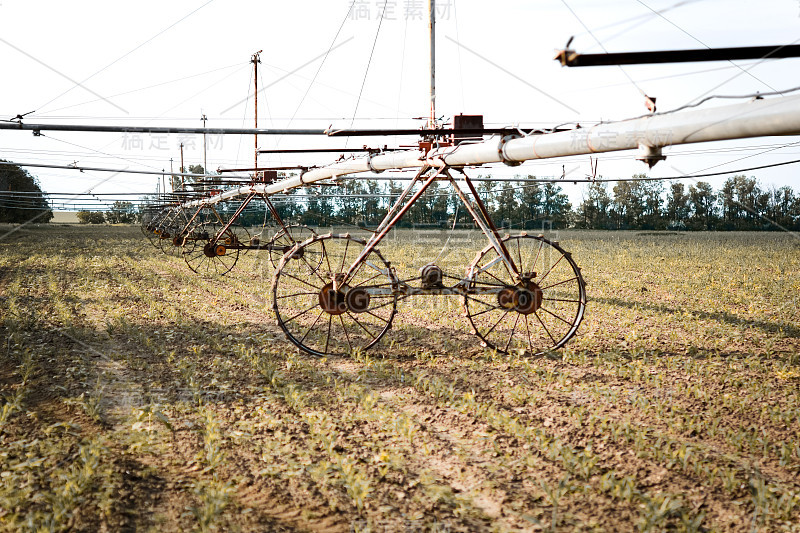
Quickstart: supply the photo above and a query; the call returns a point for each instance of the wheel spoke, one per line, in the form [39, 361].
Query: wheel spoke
[304, 311]
[545, 327]
[346, 335]
[551, 269]
[489, 319]
[538, 253]
[497, 323]
[328, 338]
[511, 335]
[324, 337]
[300, 280]
[479, 313]
[344, 255]
[559, 283]
[314, 270]
[321, 311]
[362, 325]
[370, 279]
[555, 315]
[293, 295]
[528, 330]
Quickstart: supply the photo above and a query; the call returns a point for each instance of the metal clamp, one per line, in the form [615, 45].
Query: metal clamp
[370, 165]
[502, 152]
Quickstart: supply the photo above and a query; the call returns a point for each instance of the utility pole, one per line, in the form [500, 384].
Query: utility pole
[432, 27]
[255, 59]
[205, 160]
[183, 169]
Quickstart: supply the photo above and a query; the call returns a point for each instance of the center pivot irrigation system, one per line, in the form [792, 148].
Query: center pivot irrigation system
[336, 293]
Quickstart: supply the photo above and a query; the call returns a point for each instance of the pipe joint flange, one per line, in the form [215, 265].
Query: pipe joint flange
[370, 165]
[501, 150]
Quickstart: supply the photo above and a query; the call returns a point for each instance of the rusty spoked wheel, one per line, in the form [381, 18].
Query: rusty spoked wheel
[323, 313]
[206, 257]
[150, 216]
[170, 238]
[285, 239]
[152, 226]
[534, 314]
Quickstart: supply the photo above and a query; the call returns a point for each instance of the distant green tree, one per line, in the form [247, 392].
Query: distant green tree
[351, 202]
[637, 203]
[677, 211]
[507, 205]
[486, 190]
[121, 213]
[702, 201]
[21, 198]
[555, 205]
[91, 217]
[784, 207]
[628, 205]
[530, 205]
[652, 193]
[319, 206]
[743, 203]
[594, 211]
[373, 212]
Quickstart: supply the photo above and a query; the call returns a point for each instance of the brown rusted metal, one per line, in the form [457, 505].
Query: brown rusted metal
[490, 223]
[233, 218]
[373, 242]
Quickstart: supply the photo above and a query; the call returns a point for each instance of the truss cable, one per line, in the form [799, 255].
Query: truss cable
[244, 117]
[657, 78]
[721, 96]
[603, 47]
[369, 62]
[636, 18]
[74, 83]
[322, 63]
[227, 76]
[745, 71]
[269, 111]
[460, 70]
[156, 172]
[99, 152]
[450, 235]
[400, 84]
[755, 155]
[128, 53]
[704, 44]
[139, 89]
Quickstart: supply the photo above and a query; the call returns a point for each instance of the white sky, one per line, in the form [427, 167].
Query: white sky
[132, 53]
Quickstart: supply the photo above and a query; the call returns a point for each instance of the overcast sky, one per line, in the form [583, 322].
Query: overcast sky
[167, 63]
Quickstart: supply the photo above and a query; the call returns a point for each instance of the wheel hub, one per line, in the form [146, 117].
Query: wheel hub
[357, 300]
[525, 298]
[214, 250]
[332, 301]
[528, 297]
[298, 254]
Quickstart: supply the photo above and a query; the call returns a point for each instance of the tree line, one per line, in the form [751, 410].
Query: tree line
[742, 203]
[365, 202]
[21, 197]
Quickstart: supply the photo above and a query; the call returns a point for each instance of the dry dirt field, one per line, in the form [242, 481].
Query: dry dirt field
[137, 395]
